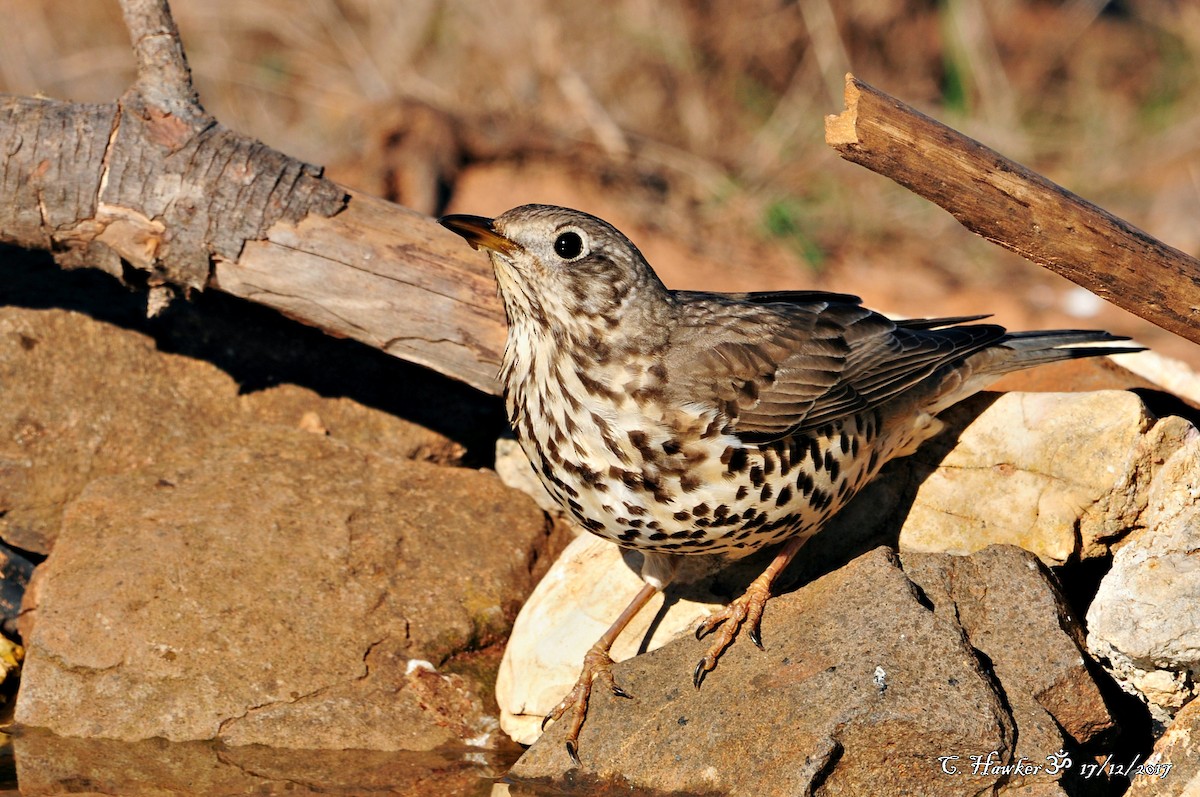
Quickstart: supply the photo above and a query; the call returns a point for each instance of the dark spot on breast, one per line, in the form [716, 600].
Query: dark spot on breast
[805, 483]
[873, 460]
[671, 446]
[593, 386]
[820, 499]
[742, 492]
[734, 459]
[767, 492]
[639, 439]
[854, 446]
[598, 349]
[591, 524]
[629, 478]
[682, 514]
[629, 535]
[756, 475]
[784, 496]
[699, 534]
[700, 510]
[634, 509]
[658, 535]
[835, 468]
[648, 395]
[844, 442]
[688, 483]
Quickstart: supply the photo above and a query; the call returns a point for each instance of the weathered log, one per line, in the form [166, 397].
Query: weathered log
[154, 183]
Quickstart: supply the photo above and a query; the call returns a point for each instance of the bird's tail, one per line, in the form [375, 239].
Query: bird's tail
[1017, 351]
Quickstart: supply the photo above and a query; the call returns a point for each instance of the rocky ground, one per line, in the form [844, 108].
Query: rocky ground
[237, 531]
[242, 557]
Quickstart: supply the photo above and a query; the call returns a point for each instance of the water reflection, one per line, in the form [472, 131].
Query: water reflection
[53, 765]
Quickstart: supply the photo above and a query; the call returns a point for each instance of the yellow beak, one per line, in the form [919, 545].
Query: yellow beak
[478, 232]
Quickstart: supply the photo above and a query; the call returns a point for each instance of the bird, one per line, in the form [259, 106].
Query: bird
[679, 423]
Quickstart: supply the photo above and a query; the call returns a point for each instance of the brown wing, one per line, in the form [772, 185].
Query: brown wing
[777, 368]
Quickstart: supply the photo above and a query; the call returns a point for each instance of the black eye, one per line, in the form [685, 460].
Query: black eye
[568, 246]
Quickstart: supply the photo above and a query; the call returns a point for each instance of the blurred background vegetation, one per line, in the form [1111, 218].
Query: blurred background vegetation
[698, 126]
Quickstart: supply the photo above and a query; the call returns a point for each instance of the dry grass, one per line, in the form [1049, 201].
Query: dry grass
[725, 98]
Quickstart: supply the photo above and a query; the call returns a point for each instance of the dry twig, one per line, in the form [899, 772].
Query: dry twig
[1022, 211]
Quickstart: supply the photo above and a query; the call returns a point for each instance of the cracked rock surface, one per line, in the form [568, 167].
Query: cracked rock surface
[236, 557]
[279, 589]
[866, 680]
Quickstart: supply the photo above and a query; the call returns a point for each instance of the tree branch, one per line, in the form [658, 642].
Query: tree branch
[164, 80]
[154, 183]
[1022, 211]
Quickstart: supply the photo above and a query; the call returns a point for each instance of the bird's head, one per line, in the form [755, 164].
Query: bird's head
[555, 265]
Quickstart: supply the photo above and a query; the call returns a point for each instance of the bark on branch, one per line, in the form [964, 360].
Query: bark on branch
[1022, 211]
[155, 183]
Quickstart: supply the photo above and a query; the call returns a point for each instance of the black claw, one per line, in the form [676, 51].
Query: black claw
[756, 638]
[699, 632]
[573, 751]
[619, 692]
[698, 676]
[545, 719]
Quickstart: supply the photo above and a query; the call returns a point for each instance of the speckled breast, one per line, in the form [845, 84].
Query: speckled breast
[676, 482]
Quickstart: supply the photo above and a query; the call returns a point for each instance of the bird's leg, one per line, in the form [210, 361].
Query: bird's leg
[746, 610]
[597, 664]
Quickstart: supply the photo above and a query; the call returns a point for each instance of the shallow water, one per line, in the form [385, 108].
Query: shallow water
[38, 763]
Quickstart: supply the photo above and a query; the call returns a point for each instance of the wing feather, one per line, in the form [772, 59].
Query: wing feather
[797, 360]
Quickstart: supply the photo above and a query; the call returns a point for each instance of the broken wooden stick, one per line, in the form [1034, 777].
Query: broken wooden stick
[1018, 209]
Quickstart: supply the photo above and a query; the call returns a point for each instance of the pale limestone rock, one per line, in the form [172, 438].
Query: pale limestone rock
[1058, 474]
[585, 590]
[1144, 622]
[513, 468]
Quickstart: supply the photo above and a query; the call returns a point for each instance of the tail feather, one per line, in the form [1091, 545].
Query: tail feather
[1017, 351]
[1020, 350]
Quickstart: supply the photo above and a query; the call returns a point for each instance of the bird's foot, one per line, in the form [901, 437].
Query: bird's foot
[745, 611]
[597, 665]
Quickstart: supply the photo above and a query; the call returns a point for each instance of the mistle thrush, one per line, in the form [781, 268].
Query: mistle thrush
[677, 422]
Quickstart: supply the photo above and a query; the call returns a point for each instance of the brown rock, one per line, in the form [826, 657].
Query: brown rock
[86, 399]
[860, 689]
[1173, 768]
[1011, 609]
[279, 588]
